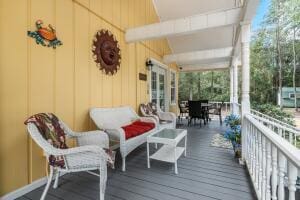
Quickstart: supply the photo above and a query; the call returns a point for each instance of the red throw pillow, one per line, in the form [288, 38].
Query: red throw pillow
[137, 128]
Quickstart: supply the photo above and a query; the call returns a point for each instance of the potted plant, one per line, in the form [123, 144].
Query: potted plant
[233, 133]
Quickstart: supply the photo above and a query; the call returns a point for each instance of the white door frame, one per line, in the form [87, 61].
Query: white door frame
[160, 68]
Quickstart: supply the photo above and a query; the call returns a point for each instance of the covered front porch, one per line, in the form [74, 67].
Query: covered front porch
[158, 40]
[207, 172]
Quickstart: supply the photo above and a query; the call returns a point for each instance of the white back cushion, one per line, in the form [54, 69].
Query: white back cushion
[112, 118]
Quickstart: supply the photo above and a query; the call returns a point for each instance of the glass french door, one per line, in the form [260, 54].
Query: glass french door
[158, 87]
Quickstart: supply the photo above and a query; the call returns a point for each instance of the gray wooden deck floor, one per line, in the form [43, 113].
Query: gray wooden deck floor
[206, 173]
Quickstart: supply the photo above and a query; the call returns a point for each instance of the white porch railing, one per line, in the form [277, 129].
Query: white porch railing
[259, 114]
[287, 131]
[273, 163]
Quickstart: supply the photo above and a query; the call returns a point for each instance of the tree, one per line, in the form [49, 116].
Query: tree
[292, 13]
[204, 85]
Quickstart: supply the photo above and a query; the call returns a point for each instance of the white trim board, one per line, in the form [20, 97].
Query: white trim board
[183, 26]
[26, 189]
[198, 55]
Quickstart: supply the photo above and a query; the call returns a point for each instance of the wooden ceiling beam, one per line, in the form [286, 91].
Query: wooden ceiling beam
[182, 26]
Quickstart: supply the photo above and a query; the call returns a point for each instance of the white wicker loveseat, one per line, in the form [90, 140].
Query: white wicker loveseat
[111, 120]
[89, 154]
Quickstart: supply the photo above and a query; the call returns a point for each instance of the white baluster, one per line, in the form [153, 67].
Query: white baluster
[248, 156]
[280, 132]
[290, 137]
[253, 153]
[292, 180]
[264, 178]
[250, 148]
[281, 162]
[274, 172]
[256, 159]
[248, 142]
[268, 170]
[260, 164]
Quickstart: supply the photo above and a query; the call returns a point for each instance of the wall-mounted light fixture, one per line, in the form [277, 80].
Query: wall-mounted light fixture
[149, 64]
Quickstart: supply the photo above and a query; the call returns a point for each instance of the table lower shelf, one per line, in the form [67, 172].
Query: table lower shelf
[166, 154]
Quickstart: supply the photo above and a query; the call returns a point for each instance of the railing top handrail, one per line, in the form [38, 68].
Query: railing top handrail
[278, 121]
[290, 151]
[274, 119]
[278, 125]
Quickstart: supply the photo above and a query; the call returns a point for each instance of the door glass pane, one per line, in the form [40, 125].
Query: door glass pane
[162, 91]
[154, 87]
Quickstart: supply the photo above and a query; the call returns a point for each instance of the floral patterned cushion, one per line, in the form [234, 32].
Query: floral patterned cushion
[152, 107]
[49, 127]
[146, 109]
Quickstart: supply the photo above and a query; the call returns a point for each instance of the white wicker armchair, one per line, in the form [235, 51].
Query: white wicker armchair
[164, 119]
[111, 121]
[89, 154]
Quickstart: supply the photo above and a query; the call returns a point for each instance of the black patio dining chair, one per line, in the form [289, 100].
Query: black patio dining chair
[205, 110]
[196, 112]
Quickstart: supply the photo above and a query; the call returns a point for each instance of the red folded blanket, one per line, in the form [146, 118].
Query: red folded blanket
[137, 128]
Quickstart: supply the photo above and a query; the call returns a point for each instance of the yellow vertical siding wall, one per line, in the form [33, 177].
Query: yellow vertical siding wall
[65, 81]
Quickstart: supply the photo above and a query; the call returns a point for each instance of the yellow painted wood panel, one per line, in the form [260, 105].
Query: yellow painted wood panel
[13, 96]
[65, 81]
[96, 76]
[82, 70]
[117, 78]
[41, 83]
[95, 6]
[125, 72]
[64, 58]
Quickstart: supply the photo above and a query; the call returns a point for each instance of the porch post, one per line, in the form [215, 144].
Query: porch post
[231, 89]
[245, 40]
[235, 87]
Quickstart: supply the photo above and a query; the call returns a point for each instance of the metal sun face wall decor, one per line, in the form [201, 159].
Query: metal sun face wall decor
[106, 52]
[45, 36]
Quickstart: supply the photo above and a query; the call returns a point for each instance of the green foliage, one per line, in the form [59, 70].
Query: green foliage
[282, 19]
[213, 86]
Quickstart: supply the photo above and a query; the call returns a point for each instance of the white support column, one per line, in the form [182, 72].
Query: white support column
[245, 48]
[235, 97]
[231, 89]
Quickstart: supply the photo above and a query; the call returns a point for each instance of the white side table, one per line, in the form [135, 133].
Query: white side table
[169, 152]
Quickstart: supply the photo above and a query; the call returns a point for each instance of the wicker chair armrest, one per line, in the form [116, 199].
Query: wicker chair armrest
[152, 119]
[98, 138]
[116, 134]
[78, 150]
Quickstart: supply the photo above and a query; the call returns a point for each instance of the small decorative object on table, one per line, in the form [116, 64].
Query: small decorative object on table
[44, 36]
[233, 133]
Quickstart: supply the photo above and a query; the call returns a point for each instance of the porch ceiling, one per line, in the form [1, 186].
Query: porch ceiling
[191, 26]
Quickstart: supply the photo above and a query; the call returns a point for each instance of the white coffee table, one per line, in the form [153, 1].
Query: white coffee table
[169, 152]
